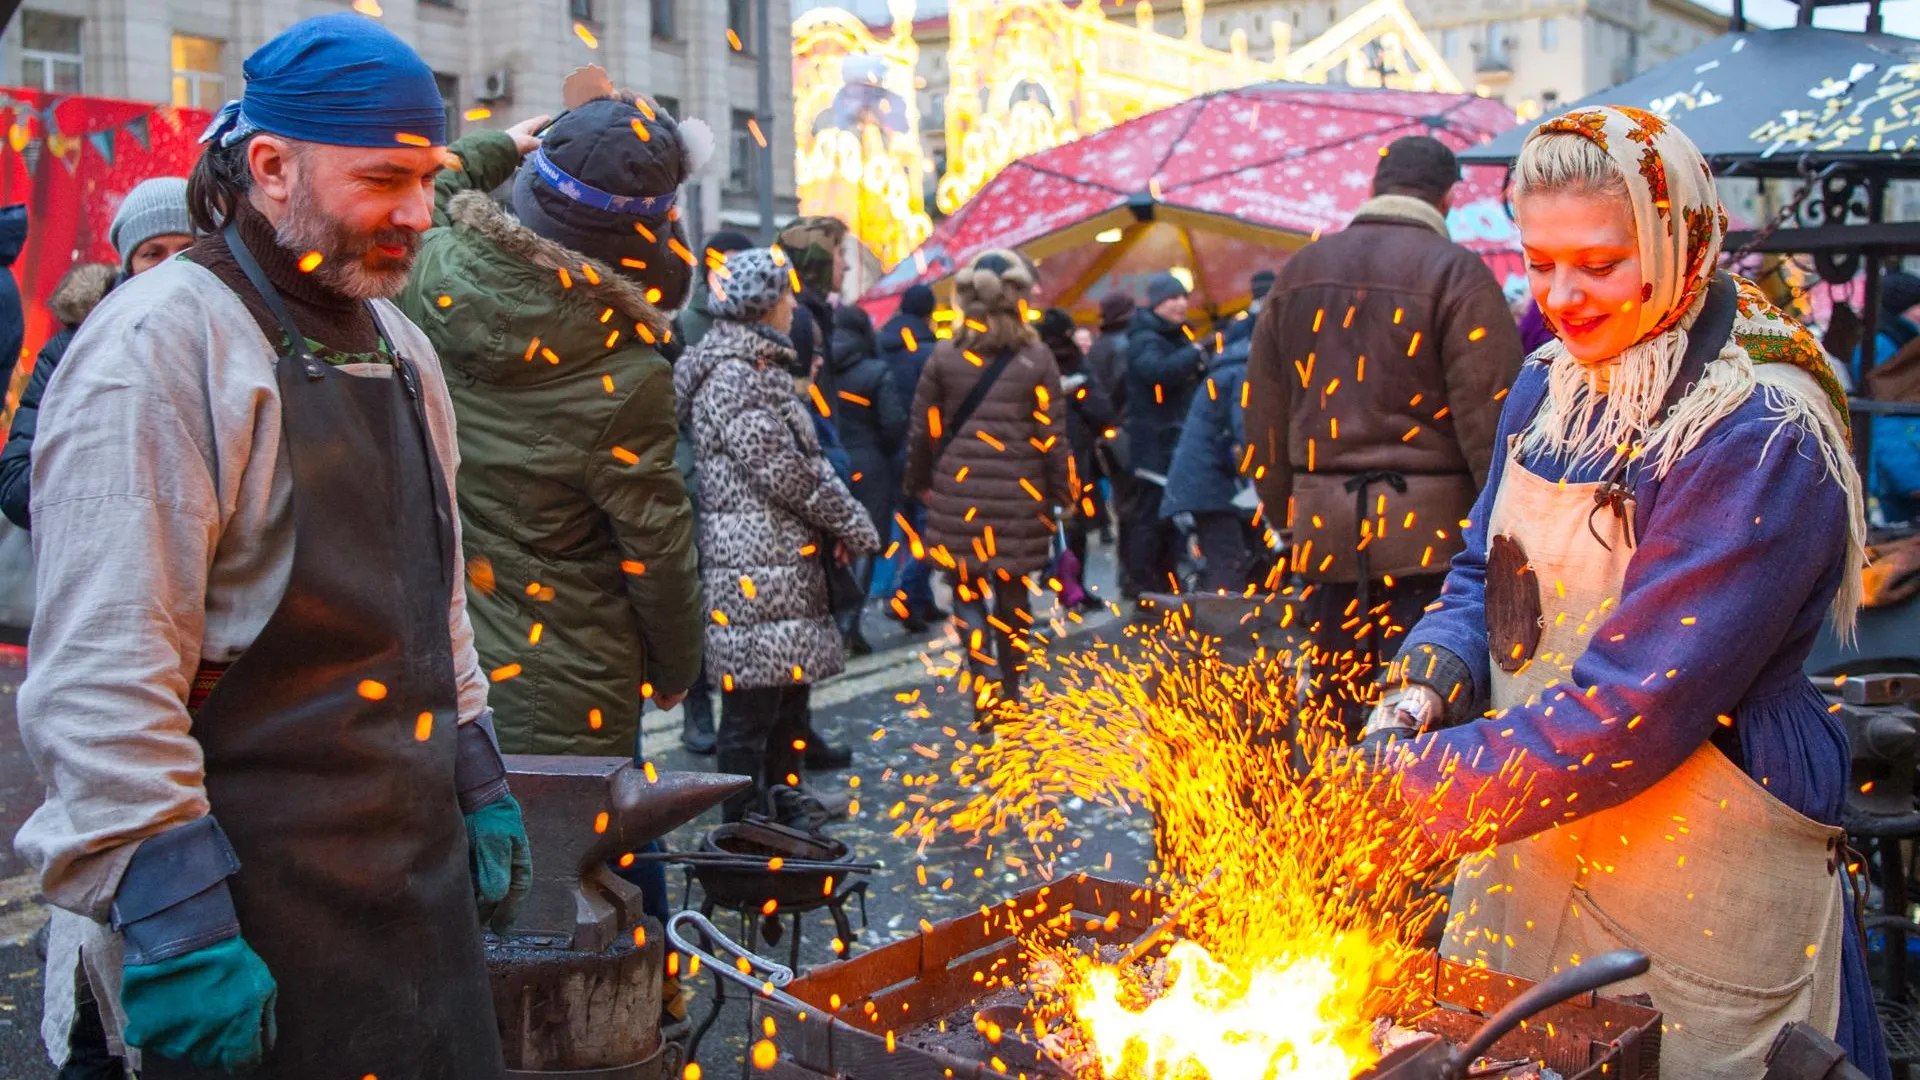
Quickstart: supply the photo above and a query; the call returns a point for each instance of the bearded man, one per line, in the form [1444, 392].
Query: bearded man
[274, 799]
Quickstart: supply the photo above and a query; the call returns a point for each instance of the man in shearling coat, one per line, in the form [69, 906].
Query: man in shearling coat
[1376, 377]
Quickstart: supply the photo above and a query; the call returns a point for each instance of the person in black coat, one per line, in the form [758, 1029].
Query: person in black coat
[13, 318]
[872, 425]
[1164, 367]
[906, 341]
[1204, 478]
[1090, 414]
[150, 227]
[73, 300]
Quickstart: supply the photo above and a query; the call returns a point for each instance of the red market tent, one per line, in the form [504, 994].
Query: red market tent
[71, 160]
[1222, 186]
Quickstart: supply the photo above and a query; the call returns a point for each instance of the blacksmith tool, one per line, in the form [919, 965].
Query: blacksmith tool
[1430, 1057]
[1801, 1053]
[765, 978]
[1145, 942]
[582, 813]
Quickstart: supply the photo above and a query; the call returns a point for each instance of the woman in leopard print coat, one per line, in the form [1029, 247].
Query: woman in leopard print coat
[770, 506]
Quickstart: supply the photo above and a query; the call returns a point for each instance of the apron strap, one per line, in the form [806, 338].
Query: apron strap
[1363, 592]
[1619, 488]
[250, 266]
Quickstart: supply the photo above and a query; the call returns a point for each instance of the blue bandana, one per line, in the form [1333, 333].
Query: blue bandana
[587, 195]
[339, 80]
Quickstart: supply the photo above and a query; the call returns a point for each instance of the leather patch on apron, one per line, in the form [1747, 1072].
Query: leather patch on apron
[1513, 604]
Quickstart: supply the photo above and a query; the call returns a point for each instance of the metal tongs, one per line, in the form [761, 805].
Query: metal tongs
[767, 978]
[1430, 1058]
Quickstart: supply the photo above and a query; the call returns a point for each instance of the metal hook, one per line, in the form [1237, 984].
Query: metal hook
[777, 975]
[1615, 496]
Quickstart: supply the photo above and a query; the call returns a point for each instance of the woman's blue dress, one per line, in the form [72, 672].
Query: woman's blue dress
[1747, 536]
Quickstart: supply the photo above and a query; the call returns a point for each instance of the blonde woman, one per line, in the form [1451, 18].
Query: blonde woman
[988, 456]
[1671, 514]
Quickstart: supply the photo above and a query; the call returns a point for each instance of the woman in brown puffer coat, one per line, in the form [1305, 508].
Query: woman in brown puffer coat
[991, 480]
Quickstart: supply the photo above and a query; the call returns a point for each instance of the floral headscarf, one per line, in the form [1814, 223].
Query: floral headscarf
[1678, 220]
[1679, 226]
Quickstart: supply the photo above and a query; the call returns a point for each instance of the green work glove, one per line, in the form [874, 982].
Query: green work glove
[212, 1007]
[501, 861]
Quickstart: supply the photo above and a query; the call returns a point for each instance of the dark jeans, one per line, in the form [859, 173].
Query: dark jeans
[1223, 540]
[651, 877]
[862, 569]
[916, 580]
[87, 1054]
[758, 727]
[1351, 651]
[1150, 545]
[989, 634]
[699, 697]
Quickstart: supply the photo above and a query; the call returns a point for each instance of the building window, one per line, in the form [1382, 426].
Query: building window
[1449, 43]
[1549, 33]
[740, 21]
[449, 87]
[1333, 14]
[740, 170]
[663, 19]
[581, 9]
[199, 79]
[438, 3]
[50, 56]
[1497, 43]
[668, 105]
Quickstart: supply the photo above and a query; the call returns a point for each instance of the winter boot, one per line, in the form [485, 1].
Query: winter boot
[696, 724]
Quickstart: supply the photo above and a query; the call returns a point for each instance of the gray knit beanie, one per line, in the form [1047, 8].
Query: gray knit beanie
[748, 284]
[156, 207]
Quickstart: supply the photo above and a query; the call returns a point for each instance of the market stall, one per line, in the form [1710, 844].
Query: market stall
[1216, 188]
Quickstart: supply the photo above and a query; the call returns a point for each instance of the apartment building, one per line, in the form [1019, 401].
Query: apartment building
[498, 61]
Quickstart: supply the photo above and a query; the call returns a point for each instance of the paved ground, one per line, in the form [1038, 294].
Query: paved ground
[861, 707]
[20, 914]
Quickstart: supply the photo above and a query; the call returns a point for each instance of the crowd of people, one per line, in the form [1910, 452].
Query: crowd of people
[457, 450]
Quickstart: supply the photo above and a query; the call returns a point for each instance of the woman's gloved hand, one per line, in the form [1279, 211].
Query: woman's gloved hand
[500, 860]
[212, 1007]
[1402, 714]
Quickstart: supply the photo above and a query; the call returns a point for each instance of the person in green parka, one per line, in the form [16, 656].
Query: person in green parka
[582, 579]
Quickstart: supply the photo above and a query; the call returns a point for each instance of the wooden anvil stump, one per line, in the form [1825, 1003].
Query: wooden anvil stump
[562, 1011]
[575, 989]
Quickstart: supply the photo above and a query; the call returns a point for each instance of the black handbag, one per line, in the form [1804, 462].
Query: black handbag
[844, 593]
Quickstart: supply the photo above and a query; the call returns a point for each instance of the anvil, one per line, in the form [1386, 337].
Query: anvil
[582, 813]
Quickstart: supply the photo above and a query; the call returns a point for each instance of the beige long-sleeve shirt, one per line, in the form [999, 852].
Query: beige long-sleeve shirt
[163, 538]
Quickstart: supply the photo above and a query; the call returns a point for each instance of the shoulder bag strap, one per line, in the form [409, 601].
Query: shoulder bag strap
[974, 397]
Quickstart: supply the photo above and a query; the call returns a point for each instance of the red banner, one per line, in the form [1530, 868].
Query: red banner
[72, 160]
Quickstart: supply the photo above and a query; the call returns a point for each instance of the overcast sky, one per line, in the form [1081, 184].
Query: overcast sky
[1901, 17]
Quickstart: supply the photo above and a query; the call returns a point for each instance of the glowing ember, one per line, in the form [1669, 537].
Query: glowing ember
[1294, 1019]
[1285, 963]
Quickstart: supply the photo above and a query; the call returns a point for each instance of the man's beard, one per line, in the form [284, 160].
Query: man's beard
[349, 262]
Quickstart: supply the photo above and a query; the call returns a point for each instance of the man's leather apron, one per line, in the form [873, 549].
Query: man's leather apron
[1735, 896]
[353, 884]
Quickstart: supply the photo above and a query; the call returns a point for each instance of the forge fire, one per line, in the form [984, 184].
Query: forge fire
[1285, 858]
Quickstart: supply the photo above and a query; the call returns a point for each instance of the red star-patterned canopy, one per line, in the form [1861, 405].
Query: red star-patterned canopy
[1220, 186]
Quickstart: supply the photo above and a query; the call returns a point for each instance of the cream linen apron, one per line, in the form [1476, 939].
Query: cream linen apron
[1733, 895]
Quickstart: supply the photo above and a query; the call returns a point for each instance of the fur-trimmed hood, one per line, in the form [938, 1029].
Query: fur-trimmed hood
[475, 210]
[81, 290]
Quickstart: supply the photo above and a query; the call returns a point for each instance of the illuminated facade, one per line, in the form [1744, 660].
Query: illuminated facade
[857, 128]
[994, 80]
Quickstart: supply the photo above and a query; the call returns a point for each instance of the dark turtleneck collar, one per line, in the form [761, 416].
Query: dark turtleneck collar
[338, 324]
